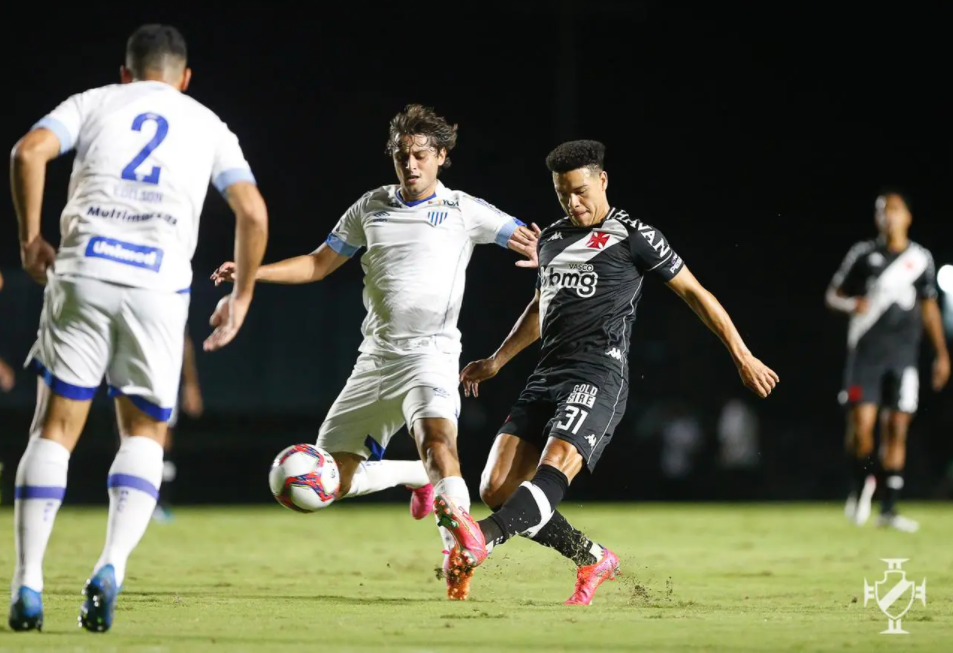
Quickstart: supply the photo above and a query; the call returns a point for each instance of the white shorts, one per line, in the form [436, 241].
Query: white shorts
[134, 337]
[385, 393]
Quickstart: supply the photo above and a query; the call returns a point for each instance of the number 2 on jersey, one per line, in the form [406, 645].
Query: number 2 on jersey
[162, 129]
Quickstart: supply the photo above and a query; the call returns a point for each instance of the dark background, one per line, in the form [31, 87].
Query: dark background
[756, 136]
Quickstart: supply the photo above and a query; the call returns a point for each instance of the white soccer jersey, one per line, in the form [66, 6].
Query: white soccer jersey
[415, 263]
[145, 154]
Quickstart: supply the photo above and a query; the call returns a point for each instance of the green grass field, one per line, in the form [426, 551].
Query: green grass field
[361, 578]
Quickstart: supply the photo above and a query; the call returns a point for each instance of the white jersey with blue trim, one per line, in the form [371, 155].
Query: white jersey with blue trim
[145, 154]
[415, 263]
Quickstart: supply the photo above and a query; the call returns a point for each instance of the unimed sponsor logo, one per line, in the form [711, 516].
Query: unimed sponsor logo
[140, 256]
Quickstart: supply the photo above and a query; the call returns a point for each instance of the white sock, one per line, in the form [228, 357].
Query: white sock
[134, 480]
[455, 489]
[379, 475]
[40, 487]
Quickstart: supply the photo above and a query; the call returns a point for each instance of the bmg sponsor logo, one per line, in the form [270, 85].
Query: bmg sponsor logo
[580, 277]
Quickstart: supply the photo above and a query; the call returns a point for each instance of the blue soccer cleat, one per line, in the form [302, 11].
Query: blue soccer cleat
[96, 615]
[26, 613]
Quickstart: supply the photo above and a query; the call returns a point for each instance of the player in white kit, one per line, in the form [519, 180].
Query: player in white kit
[117, 293]
[418, 236]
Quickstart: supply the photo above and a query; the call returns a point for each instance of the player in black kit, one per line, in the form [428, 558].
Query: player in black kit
[888, 286]
[592, 264]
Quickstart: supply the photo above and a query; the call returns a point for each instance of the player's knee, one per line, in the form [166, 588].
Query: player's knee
[347, 465]
[493, 489]
[435, 439]
[564, 456]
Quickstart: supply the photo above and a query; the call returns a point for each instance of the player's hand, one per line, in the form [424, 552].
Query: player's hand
[37, 257]
[476, 372]
[863, 305]
[7, 377]
[757, 377]
[225, 272]
[941, 372]
[192, 404]
[524, 241]
[227, 319]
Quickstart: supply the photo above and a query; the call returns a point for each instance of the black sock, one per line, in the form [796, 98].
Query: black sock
[559, 534]
[522, 511]
[860, 469]
[893, 483]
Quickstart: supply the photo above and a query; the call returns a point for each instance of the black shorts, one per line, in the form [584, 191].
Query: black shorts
[582, 407]
[894, 385]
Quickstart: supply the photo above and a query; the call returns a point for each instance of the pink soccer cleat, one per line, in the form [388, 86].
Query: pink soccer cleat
[421, 502]
[464, 529]
[590, 577]
[457, 573]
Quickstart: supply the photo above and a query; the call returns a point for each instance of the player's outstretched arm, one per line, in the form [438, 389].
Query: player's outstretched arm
[933, 324]
[27, 178]
[757, 376]
[251, 237]
[524, 333]
[297, 269]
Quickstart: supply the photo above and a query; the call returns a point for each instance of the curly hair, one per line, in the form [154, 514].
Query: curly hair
[418, 120]
[576, 154]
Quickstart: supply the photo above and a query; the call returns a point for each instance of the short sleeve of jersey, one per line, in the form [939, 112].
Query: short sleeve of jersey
[653, 254]
[926, 284]
[66, 120]
[845, 277]
[348, 234]
[487, 224]
[229, 166]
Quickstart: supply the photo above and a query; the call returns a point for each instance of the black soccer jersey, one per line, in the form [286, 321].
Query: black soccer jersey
[590, 282]
[892, 282]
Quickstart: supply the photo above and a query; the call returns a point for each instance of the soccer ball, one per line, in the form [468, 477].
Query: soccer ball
[304, 478]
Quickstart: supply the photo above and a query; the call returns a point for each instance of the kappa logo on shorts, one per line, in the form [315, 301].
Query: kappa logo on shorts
[140, 256]
[591, 439]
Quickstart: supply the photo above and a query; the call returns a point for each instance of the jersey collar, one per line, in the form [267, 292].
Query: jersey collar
[413, 203]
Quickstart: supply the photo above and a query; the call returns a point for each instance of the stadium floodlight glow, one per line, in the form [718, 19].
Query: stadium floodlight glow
[944, 278]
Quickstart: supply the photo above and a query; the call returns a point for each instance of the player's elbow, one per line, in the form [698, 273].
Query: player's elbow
[248, 205]
[830, 299]
[36, 146]
[318, 269]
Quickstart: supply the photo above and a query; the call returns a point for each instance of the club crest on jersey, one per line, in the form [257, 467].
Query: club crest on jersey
[598, 240]
[436, 218]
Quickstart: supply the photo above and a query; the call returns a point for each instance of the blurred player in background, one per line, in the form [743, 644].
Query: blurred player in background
[116, 298]
[888, 287]
[7, 376]
[592, 265]
[419, 236]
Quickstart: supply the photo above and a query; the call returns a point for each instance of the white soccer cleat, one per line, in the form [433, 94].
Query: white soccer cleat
[857, 509]
[898, 522]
